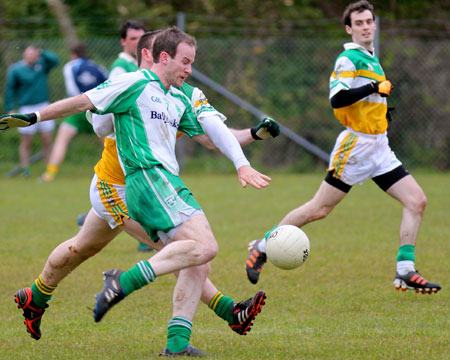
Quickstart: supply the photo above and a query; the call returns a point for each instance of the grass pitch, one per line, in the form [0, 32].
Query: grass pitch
[340, 305]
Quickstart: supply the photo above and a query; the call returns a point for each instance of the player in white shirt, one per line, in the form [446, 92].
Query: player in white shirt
[157, 163]
[80, 75]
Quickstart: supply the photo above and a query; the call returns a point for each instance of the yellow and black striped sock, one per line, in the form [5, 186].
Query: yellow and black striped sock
[42, 293]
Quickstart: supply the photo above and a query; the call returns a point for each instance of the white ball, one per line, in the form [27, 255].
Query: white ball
[287, 247]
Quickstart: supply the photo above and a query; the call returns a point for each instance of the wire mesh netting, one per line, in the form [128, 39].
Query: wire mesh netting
[286, 77]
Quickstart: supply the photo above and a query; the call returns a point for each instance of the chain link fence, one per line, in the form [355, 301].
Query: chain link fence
[286, 77]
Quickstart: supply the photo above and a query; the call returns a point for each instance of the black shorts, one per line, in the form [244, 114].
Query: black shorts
[384, 181]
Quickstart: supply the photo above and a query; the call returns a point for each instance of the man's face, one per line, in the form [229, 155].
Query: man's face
[30, 55]
[180, 67]
[130, 42]
[363, 28]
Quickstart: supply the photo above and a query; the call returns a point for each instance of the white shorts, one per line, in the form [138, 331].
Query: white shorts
[109, 203]
[357, 157]
[42, 127]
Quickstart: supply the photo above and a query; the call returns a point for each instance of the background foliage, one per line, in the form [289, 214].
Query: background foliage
[276, 55]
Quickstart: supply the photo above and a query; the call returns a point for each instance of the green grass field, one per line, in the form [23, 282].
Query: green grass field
[340, 305]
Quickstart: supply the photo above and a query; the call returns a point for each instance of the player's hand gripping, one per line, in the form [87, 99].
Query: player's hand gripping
[9, 121]
[384, 88]
[265, 129]
[249, 176]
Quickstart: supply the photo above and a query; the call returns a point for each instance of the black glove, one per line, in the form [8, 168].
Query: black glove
[9, 121]
[390, 110]
[384, 88]
[266, 128]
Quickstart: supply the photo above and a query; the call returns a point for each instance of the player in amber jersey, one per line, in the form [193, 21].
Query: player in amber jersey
[358, 93]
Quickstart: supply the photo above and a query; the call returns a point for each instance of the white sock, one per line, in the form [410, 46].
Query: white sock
[405, 266]
[262, 245]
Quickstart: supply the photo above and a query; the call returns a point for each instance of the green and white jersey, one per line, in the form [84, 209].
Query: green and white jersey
[146, 118]
[123, 64]
[202, 107]
[356, 67]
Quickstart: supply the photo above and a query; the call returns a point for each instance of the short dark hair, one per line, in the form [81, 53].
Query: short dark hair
[359, 7]
[79, 50]
[168, 41]
[130, 24]
[145, 42]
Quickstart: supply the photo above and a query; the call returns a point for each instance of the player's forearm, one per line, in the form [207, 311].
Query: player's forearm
[350, 96]
[50, 58]
[224, 140]
[244, 136]
[66, 107]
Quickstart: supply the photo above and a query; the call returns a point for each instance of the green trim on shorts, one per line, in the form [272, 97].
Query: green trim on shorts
[156, 198]
[79, 122]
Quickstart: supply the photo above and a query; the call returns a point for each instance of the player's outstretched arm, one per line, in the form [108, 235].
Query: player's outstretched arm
[265, 129]
[223, 139]
[249, 176]
[66, 107]
[61, 108]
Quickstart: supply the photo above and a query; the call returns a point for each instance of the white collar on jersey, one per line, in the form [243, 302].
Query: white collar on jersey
[352, 45]
[127, 57]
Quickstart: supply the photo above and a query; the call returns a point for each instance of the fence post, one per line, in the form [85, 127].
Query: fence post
[376, 41]
[181, 142]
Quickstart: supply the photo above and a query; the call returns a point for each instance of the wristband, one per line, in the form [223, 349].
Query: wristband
[32, 118]
[253, 132]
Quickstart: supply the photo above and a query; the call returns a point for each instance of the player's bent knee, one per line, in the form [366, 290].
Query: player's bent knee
[319, 213]
[86, 249]
[323, 212]
[85, 253]
[208, 253]
[419, 203]
[200, 254]
[207, 248]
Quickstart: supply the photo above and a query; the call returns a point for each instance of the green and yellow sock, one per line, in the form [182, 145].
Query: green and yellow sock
[137, 277]
[406, 252]
[52, 169]
[50, 172]
[42, 293]
[222, 306]
[178, 333]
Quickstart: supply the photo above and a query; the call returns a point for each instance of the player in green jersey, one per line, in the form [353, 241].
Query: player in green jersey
[147, 105]
[130, 33]
[80, 75]
[27, 91]
[358, 93]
